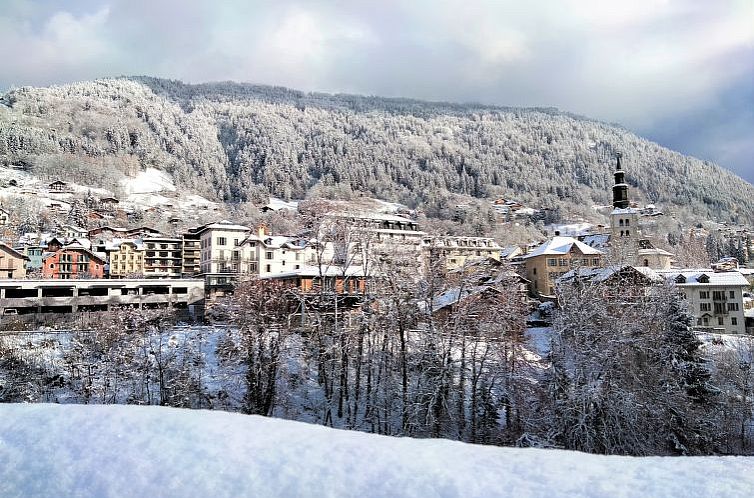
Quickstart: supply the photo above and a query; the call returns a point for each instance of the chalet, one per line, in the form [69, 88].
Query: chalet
[330, 279]
[108, 203]
[72, 262]
[12, 262]
[58, 186]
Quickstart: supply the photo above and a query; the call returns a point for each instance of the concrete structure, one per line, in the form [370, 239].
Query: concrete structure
[12, 262]
[715, 298]
[553, 259]
[23, 297]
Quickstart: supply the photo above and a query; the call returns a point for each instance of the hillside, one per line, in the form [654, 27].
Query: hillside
[235, 142]
[66, 450]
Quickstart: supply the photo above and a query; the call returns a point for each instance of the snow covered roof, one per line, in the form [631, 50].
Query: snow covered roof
[224, 225]
[629, 210]
[602, 274]
[654, 251]
[315, 271]
[697, 277]
[560, 246]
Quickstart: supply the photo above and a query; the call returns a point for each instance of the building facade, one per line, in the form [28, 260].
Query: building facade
[73, 262]
[553, 259]
[127, 259]
[163, 257]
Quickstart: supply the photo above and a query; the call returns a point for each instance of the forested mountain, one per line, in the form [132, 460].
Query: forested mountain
[232, 142]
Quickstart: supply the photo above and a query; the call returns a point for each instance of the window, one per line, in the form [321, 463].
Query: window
[563, 262]
[534, 271]
[732, 294]
[733, 321]
[718, 295]
[267, 268]
[221, 241]
[298, 256]
[719, 308]
[596, 261]
[720, 320]
[628, 233]
[268, 255]
[732, 306]
[705, 307]
[235, 242]
[552, 262]
[703, 294]
[620, 222]
[627, 222]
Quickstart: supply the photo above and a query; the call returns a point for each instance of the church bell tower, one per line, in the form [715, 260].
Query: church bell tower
[620, 189]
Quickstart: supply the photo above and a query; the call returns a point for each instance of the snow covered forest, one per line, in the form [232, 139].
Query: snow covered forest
[236, 142]
[446, 357]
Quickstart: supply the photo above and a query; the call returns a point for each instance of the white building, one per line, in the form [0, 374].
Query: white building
[716, 299]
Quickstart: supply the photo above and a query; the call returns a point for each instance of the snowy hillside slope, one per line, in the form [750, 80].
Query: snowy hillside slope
[66, 450]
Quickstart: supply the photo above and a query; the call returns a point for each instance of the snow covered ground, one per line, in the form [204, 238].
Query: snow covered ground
[76, 450]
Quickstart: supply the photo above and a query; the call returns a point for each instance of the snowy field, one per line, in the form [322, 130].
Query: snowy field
[75, 450]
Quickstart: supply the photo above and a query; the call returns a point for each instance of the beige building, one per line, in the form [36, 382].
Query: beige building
[457, 251]
[553, 259]
[12, 263]
[127, 259]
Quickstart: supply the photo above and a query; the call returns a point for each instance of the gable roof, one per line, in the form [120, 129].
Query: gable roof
[597, 275]
[561, 245]
[12, 251]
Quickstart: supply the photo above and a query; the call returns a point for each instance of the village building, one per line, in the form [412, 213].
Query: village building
[12, 262]
[553, 259]
[71, 262]
[192, 254]
[126, 259]
[163, 257]
[715, 299]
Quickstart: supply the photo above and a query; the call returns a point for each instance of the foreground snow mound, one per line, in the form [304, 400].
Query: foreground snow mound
[67, 450]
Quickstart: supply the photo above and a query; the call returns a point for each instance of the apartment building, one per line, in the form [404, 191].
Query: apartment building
[220, 254]
[163, 257]
[456, 252]
[12, 262]
[126, 258]
[71, 262]
[715, 299]
[192, 254]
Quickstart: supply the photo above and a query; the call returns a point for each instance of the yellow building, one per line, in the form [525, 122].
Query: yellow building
[126, 259]
[555, 258]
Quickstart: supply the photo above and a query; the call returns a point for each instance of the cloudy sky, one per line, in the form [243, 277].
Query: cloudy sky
[680, 72]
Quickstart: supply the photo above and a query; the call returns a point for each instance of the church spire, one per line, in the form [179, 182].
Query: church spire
[620, 189]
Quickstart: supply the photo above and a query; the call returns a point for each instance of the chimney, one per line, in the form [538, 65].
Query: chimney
[262, 230]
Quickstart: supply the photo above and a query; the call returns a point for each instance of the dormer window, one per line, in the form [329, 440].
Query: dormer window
[680, 279]
[704, 279]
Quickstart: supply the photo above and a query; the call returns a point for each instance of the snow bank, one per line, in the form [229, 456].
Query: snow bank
[148, 181]
[75, 450]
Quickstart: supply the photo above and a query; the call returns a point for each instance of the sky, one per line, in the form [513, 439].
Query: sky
[679, 72]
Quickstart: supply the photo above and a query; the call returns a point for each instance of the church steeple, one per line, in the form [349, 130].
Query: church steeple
[620, 189]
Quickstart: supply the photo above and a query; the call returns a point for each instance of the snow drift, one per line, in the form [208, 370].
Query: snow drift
[74, 450]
